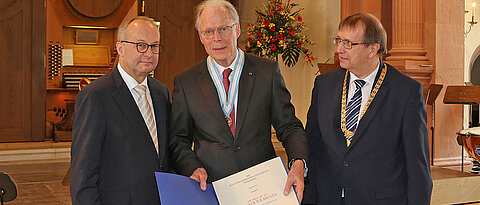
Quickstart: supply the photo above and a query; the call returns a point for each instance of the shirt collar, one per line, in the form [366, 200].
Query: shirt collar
[129, 80]
[370, 79]
[221, 68]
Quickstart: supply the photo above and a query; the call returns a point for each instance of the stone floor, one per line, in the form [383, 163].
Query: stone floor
[39, 182]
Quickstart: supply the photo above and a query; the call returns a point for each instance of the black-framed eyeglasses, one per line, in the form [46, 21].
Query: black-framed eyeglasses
[223, 31]
[346, 43]
[143, 47]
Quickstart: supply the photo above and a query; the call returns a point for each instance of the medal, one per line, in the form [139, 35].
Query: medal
[348, 134]
[343, 121]
[229, 120]
[227, 104]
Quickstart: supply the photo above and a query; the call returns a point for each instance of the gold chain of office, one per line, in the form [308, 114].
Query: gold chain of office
[348, 134]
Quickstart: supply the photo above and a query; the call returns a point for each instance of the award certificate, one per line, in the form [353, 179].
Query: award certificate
[257, 185]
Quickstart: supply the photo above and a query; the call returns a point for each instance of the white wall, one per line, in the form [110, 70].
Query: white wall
[472, 39]
[472, 42]
[321, 18]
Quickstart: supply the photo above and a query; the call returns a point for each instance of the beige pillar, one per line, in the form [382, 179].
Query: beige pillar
[407, 30]
[408, 52]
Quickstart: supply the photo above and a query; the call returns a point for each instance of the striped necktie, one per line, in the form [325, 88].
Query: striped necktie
[146, 111]
[353, 109]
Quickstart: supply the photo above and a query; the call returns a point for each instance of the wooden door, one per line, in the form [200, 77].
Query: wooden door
[22, 71]
[182, 45]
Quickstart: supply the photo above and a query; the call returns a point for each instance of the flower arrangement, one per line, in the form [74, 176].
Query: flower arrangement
[278, 31]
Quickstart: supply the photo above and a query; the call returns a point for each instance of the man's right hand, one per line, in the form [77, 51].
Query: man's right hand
[200, 175]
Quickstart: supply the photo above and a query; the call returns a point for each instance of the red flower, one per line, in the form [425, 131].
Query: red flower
[271, 13]
[290, 31]
[299, 18]
[280, 9]
[299, 44]
[250, 39]
[280, 37]
[247, 48]
[273, 40]
[305, 51]
[265, 22]
[260, 33]
[272, 29]
[273, 47]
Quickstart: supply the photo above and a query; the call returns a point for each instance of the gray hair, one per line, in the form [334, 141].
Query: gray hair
[122, 29]
[215, 3]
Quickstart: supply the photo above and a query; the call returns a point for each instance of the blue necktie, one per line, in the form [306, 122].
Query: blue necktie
[353, 108]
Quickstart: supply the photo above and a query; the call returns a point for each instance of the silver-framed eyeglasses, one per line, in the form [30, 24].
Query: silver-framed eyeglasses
[346, 43]
[143, 47]
[223, 31]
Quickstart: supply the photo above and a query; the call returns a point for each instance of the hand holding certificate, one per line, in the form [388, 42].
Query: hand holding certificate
[260, 184]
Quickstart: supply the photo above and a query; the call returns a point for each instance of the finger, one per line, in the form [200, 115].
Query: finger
[203, 181]
[288, 185]
[299, 188]
[300, 196]
[195, 177]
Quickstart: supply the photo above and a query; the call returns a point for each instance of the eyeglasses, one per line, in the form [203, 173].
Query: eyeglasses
[346, 43]
[143, 47]
[223, 31]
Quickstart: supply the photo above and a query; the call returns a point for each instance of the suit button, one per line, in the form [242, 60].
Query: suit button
[237, 148]
[345, 163]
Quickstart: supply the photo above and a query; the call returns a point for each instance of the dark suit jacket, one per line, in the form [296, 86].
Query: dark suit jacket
[113, 155]
[197, 116]
[388, 160]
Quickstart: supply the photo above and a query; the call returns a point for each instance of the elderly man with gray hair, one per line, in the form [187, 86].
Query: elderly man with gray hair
[227, 104]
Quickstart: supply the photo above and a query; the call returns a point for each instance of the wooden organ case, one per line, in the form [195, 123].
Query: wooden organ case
[80, 44]
[69, 62]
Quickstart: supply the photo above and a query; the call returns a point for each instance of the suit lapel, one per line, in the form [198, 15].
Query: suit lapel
[339, 138]
[245, 90]
[372, 109]
[125, 101]
[210, 96]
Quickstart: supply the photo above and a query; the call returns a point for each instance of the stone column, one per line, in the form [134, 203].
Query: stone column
[408, 52]
[407, 30]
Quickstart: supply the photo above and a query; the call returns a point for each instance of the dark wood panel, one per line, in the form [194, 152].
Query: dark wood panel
[22, 86]
[94, 8]
[60, 14]
[182, 45]
[38, 69]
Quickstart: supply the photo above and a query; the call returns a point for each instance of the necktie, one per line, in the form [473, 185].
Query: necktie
[146, 111]
[226, 85]
[353, 109]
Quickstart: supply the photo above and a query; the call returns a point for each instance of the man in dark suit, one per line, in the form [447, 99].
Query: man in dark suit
[120, 127]
[367, 126]
[226, 105]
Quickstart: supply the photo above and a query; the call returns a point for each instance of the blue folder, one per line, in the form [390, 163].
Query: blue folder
[175, 189]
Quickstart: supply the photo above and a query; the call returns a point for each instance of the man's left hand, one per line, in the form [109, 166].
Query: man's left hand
[295, 178]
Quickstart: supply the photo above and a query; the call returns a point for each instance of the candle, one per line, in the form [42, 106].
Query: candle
[473, 13]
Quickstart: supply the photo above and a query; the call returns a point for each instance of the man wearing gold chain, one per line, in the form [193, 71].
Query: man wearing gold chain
[367, 126]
